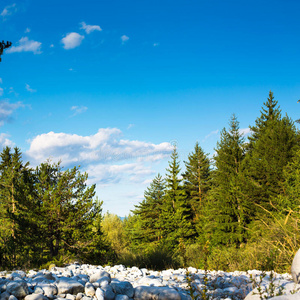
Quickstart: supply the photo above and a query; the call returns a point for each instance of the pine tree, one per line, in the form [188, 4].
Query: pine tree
[68, 214]
[149, 212]
[273, 143]
[229, 205]
[176, 214]
[197, 181]
[15, 189]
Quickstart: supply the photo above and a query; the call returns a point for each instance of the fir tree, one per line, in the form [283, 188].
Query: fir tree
[15, 190]
[273, 143]
[197, 181]
[176, 213]
[150, 210]
[229, 205]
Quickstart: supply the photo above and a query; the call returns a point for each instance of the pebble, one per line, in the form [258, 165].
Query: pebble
[88, 282]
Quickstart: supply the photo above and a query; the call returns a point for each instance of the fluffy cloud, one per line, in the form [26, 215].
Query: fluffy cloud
[105, 174]
[90, 28]
[4, 141]
[215, 132]
[9, 10]
[29, 89]
[72, 40]
[245, 131]
[7, 109]
[26, 45]
[78, 109]
[106, 146]
[124, 38]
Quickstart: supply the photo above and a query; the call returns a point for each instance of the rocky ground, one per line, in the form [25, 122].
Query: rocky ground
[87, 282]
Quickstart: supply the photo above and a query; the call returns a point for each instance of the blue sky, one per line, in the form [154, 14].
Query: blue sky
[111, 85]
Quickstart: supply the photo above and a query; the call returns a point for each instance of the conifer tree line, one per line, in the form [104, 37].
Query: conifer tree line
[238, 207]
[47, 215]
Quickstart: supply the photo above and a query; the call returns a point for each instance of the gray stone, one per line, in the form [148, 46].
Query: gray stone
[122, 297]
[4, 296]
[18, 288]
[12, 297]
[69, 286]
[156, 293]
[35, 297]
[287, 297]
[100, 294]
[108, 293]
[89, 289]
[49, 290]
[123, 288]
[295, 269]
[70, 297]
[79, 296]
[98, 275]
[38, 290]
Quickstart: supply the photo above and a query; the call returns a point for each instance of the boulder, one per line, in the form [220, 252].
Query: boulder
[122, 297]
[98, 275]
[155, 293]
[100, 294]
[18, 288]
[4, 296]
[89, 289]
[287, 297]
[295, 269]
[123, 288]
[35, 297]
[69, 286]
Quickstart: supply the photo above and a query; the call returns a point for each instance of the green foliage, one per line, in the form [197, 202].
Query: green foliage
[47, 214]
[230, 213]
[197, 183]
[113, 230]
[159, 258]
[149, 211]
[273, 143]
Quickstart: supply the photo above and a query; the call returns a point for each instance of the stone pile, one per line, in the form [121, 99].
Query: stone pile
[87, 282]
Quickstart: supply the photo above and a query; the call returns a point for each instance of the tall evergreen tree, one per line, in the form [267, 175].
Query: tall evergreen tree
[150, 210]
[273, 143]
[176, 213]
[15, 189]
[197, 181]
[68, 213]
[229, 205]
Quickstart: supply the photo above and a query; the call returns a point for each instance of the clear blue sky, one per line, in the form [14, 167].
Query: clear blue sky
[111, 85]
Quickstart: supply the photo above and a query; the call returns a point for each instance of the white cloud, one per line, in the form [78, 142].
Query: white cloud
[104, 174]
[124, 38]
[27, 30]
[130, 126]
[1, 80]
[90, 28]
[26, 45]
[155, 44]
[105, 146]
[29, 89]
[245, 131]
[212, 133]
[7, 109]
[72, 40]
[9, 10]
[51, 46]
[1, 91]
[78, 109]
[4, 141]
